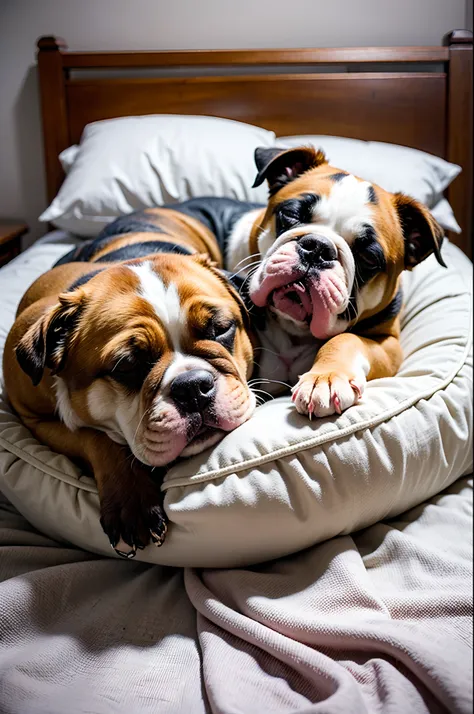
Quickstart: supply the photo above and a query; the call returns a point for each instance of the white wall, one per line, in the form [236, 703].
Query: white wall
[178, 24]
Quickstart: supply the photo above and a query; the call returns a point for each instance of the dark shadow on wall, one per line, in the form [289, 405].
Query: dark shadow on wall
[30, 154]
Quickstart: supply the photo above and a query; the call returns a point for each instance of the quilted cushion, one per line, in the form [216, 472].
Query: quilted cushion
[281, 483]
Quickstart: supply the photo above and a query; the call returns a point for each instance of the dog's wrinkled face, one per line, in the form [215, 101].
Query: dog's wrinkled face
[332, 246]
[153, 352]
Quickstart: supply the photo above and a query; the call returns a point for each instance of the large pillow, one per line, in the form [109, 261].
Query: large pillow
[126, 164]
[395, 168]
[281, 483]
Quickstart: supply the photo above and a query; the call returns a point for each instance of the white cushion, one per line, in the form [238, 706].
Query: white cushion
[395, 168]
[281, 483]
[126, 164]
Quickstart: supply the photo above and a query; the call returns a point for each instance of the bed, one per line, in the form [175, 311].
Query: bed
[372, 615]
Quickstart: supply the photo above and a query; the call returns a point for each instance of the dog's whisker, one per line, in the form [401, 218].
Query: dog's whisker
[248, 257]
[246, 267]
[268, 381]
[145, 413]
[248, 278]
[262, 391]
[265, 349]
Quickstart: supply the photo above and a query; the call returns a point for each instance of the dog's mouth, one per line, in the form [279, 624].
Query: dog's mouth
[205, 437]
[294, 300]
[204, 433]
[200, 428]
[312, 303]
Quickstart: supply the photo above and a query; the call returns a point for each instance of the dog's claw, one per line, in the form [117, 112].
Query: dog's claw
[131, 554]
[158, 540]
[356, 388]
[337, 403]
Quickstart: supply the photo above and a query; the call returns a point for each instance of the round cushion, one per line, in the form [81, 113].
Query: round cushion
[281, 483]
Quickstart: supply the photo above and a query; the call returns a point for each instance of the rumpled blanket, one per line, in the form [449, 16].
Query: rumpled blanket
[380, 621]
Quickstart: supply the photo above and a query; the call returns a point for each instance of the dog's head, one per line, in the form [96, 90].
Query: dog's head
[155, 353]
[332, 246]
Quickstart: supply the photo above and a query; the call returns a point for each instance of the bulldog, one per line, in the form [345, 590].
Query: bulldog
[131, 352]
[323, 259]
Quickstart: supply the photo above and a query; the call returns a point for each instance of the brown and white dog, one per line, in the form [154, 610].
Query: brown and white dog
[324, 260]
[132, 355]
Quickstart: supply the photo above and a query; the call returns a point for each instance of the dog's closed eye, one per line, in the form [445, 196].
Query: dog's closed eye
[295, 211]
[221, 331]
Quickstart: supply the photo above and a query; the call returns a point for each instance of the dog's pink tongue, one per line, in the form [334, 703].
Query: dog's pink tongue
[300, 309]
[323, 313]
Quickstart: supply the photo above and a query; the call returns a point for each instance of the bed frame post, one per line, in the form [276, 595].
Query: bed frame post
[53, 108]
[460, 126]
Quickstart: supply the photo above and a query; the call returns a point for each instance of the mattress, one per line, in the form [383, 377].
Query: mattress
[379, 620]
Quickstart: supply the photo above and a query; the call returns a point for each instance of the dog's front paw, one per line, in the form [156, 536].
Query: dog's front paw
[131, 520]
[321, 394]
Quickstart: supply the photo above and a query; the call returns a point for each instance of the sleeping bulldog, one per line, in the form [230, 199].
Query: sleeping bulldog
[323, 259]
[130, 353]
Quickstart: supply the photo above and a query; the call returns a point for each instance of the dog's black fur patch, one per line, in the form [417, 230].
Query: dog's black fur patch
[372, 195]
[83, 280]
[338, 177]
[388, 313]
[219, 215]
[141, 250]
[295, 211]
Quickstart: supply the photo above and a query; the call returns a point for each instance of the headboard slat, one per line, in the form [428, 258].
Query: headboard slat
[226, 58]
[380, 107]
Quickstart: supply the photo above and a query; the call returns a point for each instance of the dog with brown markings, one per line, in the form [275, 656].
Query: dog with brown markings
[133, 351]
[323, 259]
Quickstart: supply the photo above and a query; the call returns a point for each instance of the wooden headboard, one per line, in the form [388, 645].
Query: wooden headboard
[415, 96]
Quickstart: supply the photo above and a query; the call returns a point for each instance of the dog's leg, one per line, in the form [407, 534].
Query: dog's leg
[343, 365]
[130, 503]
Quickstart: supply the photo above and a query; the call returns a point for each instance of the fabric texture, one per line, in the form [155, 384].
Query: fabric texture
[380, 621]
[391, 166]
[281, 483]
[130, 163]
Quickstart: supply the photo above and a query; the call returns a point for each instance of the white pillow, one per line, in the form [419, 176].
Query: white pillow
[134, 162]
[67, 157]
[395, 168]
[281, 483]
[443, 213]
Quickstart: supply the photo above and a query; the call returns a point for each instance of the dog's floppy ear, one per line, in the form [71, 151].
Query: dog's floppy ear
[422, 233]
[280, 166]
[46, 342]
[230, 280]
[235, 285]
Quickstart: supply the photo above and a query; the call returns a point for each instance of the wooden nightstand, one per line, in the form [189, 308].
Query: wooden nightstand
[10, 239]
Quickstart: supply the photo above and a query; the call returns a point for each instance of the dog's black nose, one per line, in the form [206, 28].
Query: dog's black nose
[193, 390]
[316, 250]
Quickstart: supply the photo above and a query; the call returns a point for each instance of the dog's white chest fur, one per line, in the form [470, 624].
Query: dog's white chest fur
[282, 358]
